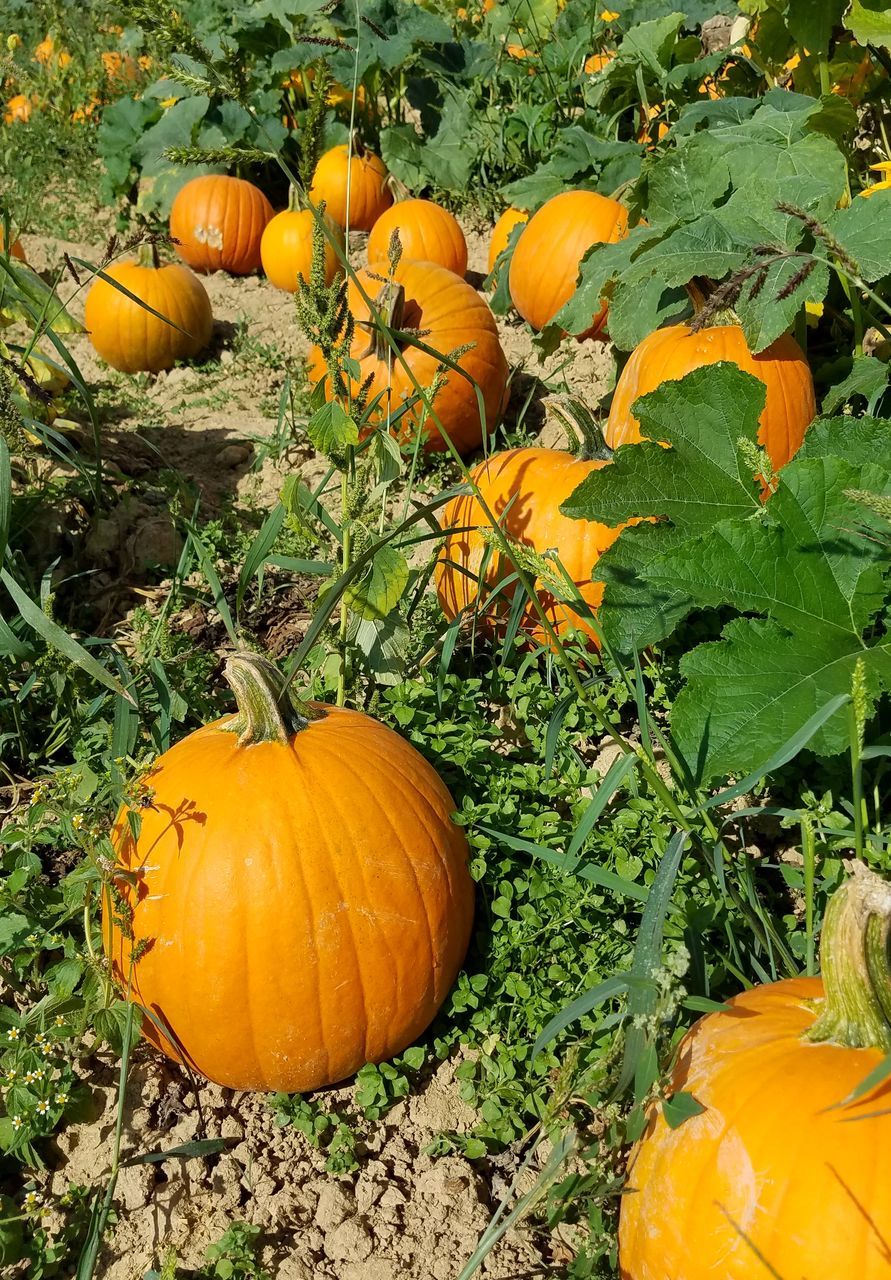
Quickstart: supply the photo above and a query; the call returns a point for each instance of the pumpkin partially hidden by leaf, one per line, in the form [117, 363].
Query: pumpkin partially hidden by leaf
[131, 338]
[545, 265]
[286, 248]
[669, 353]
[219, 223]
[16, 250]
[501, 233]
[427, 233]
[297, 901]
[523, 489]
[784, 1170]
[455, 321]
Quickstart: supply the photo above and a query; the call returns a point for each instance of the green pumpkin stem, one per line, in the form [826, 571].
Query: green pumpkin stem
[267, 710]
[581, 428]
[854, 958]
[390, 304]
[147, 255]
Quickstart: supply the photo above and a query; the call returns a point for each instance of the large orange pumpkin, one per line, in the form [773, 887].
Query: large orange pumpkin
[297, 902]
[523, 488]
[781, 1174]
[219, 223]
[366, 175]
[545, 265]
[450, 314]
[669, 353]
[502, 231]
[427, 233]
[286, 248]
[130, 338]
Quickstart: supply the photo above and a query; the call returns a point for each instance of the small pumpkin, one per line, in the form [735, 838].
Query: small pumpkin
[427, 233]
[286, 248]
[219, 223]
[784, 1172]
[297, 902]
[545, 265]
[130, 338]
[502, 231]
[431, 300]
[523, 488]
[667, 354]
[16, 250]
[369, 194]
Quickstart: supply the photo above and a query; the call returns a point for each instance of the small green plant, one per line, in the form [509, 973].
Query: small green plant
[234, 1255]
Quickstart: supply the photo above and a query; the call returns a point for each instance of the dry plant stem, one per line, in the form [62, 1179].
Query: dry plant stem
[345, 560]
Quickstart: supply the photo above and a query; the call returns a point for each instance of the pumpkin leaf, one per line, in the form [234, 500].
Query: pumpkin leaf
[869, 21]
[869, 377]
[680, 1108]
[862, 231]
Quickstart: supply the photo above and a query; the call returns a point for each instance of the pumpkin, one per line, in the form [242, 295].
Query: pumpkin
[545, 263]
[130, 338]
[219, 223]
[669, 353]
[18, 109]
[286, 248]
[523, 488]
[450, 314]
[16, 250]
[369, 194]
[596, 62]
[297, 902]
[427, 233]
[781, 1173]
[502, 232]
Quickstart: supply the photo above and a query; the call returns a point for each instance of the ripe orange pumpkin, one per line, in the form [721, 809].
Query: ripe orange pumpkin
[523, 489]
[286, 248]
[450, 314]
[16, 251]
[669, 353]
[779, 1174]
[219, 223]
[501, 233]
[545, 264]
[369, 195]
[427, 233]
[130, 338]
[298, 891]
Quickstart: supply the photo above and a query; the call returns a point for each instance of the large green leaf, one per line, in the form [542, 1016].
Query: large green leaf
[870, 22]
[864, 231]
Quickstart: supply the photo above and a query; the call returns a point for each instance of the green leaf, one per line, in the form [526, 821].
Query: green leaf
[600, 265]
[176, 128]
[652, 43]
[768, 304]
[811, 24]
[862, 231]
[111, 1024]
[870, 22]
[868, 378]
[5, 497]
[682, 1107]
[380, 586]
[684, 184]
[14, 929]
[331, 429]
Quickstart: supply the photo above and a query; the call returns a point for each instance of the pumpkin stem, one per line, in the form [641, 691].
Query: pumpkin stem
[397, 189]
[267, 711]
[389, 303]
[708, 307]
[295, 199]
[147, 255]
[854, 958]
[581, 428]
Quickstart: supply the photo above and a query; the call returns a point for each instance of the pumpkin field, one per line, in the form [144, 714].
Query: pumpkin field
[445, 639]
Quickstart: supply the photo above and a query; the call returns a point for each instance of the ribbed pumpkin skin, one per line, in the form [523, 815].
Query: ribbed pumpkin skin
[427, 233]
[452, 314]
[369, 194]
[286, 249]
[308, 905]
[545, 264]
[532, 483]
[501, 233]
[806, 1181]
[670, 353]
[128, 337]
[219, 222]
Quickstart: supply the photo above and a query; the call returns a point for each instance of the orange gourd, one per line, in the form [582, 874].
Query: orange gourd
[427, 233]
[297, 902]
[450, 314]
[781, 1173]
[369, 194]
[545, 264]
[502, 231]
[286, 248]
[219, 223]
[16, 250]
[669, 353]
[523, 489]
[130, 338]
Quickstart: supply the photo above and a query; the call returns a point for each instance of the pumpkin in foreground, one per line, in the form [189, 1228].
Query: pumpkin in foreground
[523, 489]
[781, 1173]
[668, 354]
[130, 338]
[366, 176]
[219, 223]
[453, 318]
[297, 902]
[545, 264]
[427, 233]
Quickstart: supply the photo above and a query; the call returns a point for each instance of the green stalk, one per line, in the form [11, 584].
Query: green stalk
[809, 853]
[825, 82]
[345, 556]
[859, 801]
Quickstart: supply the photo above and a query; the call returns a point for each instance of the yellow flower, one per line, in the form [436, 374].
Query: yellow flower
[44, 50]
[169, 102]
[884, 168]
[608, 16]
[813, 313]
[64, 59]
